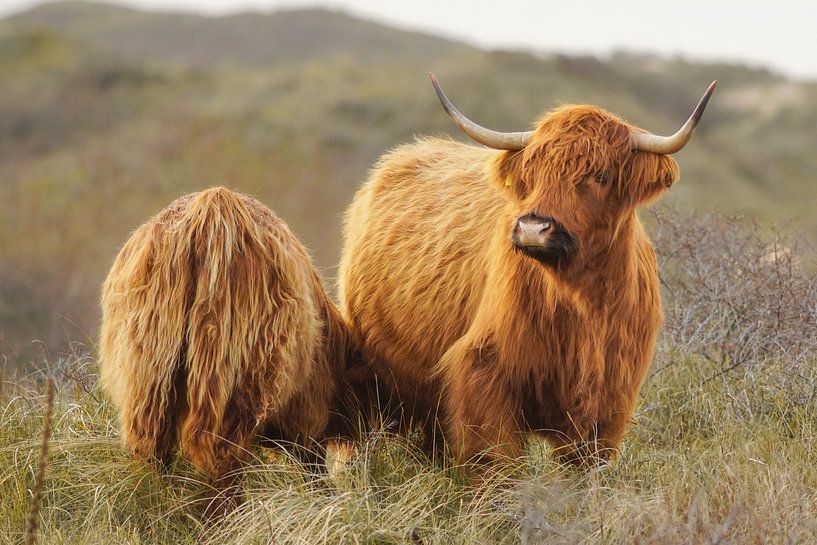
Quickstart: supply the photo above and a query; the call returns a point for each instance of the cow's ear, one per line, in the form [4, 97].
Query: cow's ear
[646, 176]
[507, 173]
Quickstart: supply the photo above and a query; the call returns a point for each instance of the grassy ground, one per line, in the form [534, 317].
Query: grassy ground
[730, 459]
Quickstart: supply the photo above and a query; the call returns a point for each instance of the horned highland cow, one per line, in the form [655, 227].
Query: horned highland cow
[216, 329]
[511, 290]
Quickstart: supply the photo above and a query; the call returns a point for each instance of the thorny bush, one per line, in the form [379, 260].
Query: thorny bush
[742, 297]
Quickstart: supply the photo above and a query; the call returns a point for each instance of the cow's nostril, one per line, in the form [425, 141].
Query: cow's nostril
[545, 226]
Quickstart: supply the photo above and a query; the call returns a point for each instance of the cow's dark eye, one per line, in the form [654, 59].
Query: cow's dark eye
[602, 178]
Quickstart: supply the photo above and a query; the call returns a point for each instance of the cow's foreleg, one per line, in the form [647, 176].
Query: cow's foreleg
[591, 443]
[482, 413]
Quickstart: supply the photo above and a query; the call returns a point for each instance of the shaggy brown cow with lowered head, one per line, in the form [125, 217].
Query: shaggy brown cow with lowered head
[216, 328]
[511, 289]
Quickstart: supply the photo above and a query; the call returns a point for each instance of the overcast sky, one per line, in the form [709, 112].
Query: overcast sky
[780, 34]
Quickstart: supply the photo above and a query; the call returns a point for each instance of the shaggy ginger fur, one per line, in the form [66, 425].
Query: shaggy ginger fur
[464, 328]
[216, 328]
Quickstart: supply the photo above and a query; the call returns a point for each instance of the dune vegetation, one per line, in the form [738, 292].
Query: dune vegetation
[109, 113]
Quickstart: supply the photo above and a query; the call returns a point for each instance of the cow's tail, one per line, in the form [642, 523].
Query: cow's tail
[222, 236]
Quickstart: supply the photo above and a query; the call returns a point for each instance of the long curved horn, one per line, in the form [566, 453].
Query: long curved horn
[666, 145]
[511, 141]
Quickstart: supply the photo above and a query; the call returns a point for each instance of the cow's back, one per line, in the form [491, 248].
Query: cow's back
[414, 259]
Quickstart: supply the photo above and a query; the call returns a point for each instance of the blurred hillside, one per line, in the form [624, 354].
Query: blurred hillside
[108, 113]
